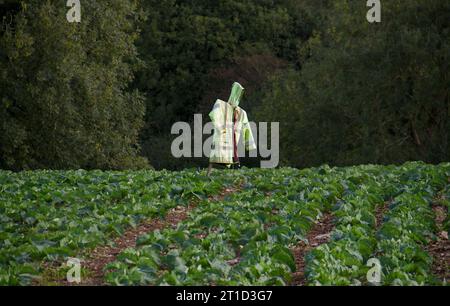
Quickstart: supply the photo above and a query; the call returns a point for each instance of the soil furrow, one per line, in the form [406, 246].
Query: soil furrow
[380, 212]
[439, 249]
[319, 235]
[101, 256]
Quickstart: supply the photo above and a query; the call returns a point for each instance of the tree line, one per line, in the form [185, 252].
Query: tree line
[103, 93]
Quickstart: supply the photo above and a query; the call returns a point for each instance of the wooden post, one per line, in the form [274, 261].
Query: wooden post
[210, 167]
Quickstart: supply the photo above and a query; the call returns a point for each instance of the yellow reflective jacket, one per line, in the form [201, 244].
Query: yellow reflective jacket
[222, 117]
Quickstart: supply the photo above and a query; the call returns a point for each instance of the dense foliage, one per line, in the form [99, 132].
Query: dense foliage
[245, 238]
[64, 94]
[194, 50]
[399, 240]
[367, 93]
[46, 216]
[345, 91]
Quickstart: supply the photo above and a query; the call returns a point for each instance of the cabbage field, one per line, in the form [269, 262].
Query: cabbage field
[237, 227]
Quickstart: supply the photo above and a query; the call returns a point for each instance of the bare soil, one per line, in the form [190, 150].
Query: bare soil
[319, 234]
[97, 258]
[440, 248]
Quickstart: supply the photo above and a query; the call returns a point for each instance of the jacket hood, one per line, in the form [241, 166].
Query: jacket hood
[237, 92]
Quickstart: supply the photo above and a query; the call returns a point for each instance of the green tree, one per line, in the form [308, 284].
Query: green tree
[367, 93]
[184, 43]
[64, 87]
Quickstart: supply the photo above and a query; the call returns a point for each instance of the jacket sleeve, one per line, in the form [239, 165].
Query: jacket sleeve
[248, 135]
[215, 115]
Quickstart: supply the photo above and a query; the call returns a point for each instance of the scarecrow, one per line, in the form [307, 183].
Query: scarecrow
[230, 123]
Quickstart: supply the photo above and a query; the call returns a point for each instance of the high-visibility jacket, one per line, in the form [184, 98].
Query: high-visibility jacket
[230, 123]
